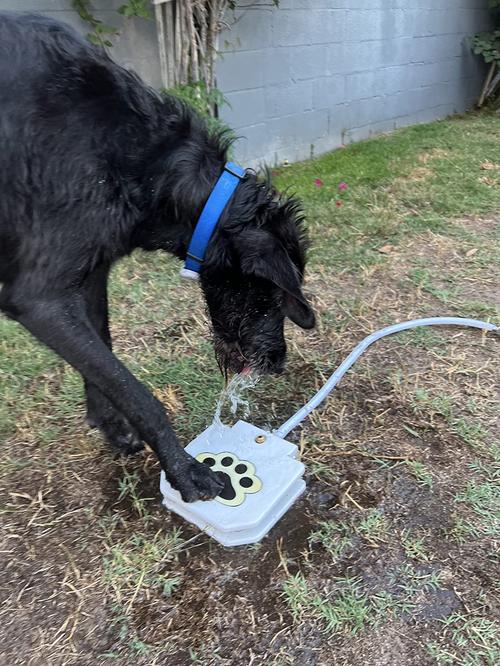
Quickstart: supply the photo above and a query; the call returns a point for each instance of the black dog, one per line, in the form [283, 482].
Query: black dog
[94, 164]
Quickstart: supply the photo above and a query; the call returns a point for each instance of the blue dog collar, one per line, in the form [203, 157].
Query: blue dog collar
[210, 215]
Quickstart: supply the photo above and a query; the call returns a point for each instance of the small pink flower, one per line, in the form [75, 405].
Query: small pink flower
[318, 182]
[343, 186]
[339, 203]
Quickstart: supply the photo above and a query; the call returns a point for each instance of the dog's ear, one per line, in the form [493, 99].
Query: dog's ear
[262, 255]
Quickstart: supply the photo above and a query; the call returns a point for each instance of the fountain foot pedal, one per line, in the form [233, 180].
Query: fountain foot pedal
[262, 478]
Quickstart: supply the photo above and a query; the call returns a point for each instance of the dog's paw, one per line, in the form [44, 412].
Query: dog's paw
[239, 476]
[120, 435]
[195, 481]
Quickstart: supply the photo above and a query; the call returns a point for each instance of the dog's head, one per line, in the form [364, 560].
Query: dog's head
[252, 278]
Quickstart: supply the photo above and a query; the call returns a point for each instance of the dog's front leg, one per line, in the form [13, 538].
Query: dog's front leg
[101, 413]
[63, 325]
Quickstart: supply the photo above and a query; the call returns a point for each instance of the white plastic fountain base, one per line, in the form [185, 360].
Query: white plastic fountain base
[263, 480]
[263, 476]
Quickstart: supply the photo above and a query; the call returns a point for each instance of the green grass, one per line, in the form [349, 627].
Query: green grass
[383, 202]
[337, 537]
[423, 338]
[334, 537]
[129, 486]
[414, 547]
[483, 499]
[23, 362]
[348, 607]
[472, 433]
[346, 611]
[138, 564]
[373, 526]
[420, 472]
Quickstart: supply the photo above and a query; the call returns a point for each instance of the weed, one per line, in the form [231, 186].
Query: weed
[422, 277]
[323, 471]
[440, 404]
[484, 500]
[421, 337]
[348, 612]
[469, 640]
[373, 526]
[345, 611]
[139, 564]
[410, 581]
[472, 434]
[348, 608]
[414, 547]
[420, 472]
[478, 310]
[338, 537]
[463, 530]
[128, 486]
[385, 603]
[334, 537]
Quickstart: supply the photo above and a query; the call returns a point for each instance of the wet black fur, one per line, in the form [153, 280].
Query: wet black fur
[94, 164]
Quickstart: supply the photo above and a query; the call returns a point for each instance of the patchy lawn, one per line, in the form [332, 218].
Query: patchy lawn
[389, 557]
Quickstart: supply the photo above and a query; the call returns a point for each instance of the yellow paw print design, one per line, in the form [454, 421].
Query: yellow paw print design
[238, 475]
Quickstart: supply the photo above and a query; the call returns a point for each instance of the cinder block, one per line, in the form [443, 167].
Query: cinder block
[370, 24]
[36, 6]
[252, 29]
[361, 85]
[368, 131]
[366, 111]
[308, 62]
[328, 92]
[322, 145]
[432, 113]
[277, 65]
[241, 70]
[320, 4]
[436, 47]
[421, 22]
[339, 120]
[136, 47]
[292, 28]
[394, 79]
[338, 58]
[288, 99]
[370, 4]
[252, 141]
[246, 107]
[363, 56]
[301, 27]
[308, 127]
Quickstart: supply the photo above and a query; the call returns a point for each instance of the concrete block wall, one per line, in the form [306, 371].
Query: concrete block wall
[316, 74]
[136, 47]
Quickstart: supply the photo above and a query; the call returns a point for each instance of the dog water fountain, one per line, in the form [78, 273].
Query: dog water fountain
[263, 475]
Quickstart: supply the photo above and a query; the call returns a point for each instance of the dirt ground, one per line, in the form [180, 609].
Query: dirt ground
[390, 557]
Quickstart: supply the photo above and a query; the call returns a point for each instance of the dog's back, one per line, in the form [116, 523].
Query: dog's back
[71, 121]
[30, 47]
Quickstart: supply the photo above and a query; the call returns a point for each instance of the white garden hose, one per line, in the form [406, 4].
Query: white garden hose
[318, 398]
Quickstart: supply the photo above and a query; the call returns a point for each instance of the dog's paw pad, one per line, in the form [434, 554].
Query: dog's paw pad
[238, 475]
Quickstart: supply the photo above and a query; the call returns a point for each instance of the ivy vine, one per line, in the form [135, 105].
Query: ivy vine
[101, 32]
[487, 45]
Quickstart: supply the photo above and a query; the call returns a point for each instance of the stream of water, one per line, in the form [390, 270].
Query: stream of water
[232, 395]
